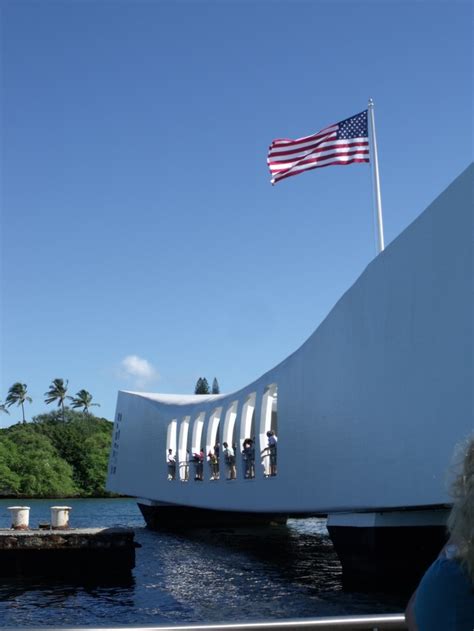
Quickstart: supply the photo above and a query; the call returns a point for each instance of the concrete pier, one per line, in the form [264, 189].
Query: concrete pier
[79, 552]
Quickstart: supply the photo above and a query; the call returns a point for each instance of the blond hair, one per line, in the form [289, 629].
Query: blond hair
[461, 518]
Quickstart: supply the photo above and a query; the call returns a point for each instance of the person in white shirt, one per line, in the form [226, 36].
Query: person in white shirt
[229, 456]
[271, 451]
[171, 460]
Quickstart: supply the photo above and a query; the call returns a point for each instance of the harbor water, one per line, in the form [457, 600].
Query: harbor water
[213, 575]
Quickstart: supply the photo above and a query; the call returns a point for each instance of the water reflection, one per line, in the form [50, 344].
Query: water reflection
[259, 573]
[212, 575]
[300, 552]
[45, 602]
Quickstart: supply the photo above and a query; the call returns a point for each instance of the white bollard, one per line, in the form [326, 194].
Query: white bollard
[60, 517]
[20, 517]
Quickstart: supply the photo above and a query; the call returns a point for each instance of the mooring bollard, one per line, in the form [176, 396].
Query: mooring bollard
[20, 517]
[60, 517]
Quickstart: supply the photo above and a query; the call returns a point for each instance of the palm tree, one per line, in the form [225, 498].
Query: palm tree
[18, 394]
[83, 399]
[57, 392]
[3, 408]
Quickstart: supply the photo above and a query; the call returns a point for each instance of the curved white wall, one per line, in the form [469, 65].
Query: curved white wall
[369, 408]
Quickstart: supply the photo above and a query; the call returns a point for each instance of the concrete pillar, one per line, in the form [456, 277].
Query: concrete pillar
[20, 517]
[60, 516]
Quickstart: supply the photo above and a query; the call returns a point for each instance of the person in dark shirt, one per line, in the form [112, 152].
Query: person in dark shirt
[270, 452]
[444, 599]
[248, 454]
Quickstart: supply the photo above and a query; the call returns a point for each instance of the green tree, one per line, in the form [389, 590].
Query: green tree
[83, 441]
[55, 456]
[9, 480]
[83, 399]
[215, 387]
[202, 386]
[95, 463]
[40, 469]
[18, 394]
[57, 392]
[3, 408]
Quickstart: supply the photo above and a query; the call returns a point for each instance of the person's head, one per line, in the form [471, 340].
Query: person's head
[170, 451]
[461, 518]
[269, 433]
[225, 445]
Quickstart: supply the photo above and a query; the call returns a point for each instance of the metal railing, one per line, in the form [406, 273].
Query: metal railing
[396, 622]
[188, 470]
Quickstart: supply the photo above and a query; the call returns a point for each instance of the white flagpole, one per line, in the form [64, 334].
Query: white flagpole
[375, 170]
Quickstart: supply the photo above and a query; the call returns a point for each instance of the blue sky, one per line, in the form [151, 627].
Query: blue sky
[142, 243]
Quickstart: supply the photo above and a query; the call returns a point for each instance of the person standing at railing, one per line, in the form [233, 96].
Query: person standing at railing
[214, 465]
[444, 599]
[272, 445]
[229, 456]
[198, 460]
[171, 460]
[217, 451]
[248, 455]
[270, 451]
[200, 467]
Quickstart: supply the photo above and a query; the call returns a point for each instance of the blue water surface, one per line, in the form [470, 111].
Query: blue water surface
[207, 576]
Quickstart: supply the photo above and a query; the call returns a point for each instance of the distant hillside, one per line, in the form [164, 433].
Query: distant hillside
[50, 457]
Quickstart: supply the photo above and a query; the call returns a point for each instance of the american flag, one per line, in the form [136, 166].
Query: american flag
[342, 143]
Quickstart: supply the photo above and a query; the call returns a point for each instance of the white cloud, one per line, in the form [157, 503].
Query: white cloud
[137, 370]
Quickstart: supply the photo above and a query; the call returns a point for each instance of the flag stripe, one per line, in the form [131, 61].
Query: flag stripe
[343, 143]
[300, 166]
[327, 146]
[303, 147]
[287, 142]
[277, 178]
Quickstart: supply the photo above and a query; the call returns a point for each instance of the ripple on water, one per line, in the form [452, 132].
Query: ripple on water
[204, 576]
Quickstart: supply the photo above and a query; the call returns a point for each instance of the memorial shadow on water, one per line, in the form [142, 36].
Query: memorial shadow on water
[302, 555]
[299, 553]
[299, 557]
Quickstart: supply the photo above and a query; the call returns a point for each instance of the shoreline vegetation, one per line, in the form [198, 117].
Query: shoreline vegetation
[61, 454]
